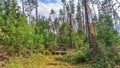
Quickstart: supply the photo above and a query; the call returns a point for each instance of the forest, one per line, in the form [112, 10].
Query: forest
[80, 35]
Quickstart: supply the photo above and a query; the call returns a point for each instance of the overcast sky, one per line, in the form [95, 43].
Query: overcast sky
[45, 6]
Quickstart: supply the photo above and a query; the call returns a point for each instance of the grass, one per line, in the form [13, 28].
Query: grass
[34, 61]
[40, 61]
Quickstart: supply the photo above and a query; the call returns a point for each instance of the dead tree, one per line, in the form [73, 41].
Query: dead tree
[93, 38]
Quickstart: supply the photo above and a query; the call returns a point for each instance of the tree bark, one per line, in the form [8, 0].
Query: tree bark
[93, 38]
[70, 16]
[23, 6]
[91, 34]
[36, 11]
[87, 22]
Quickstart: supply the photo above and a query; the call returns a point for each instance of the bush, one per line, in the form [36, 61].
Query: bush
[104, 59]
[76, 57]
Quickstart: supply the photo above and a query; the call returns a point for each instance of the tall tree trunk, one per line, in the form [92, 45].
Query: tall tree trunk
[83, 19]
[30, 13]
[87, 22]
[98, 6]
[70, 16]
[88, 30]
[36, 11]
[8, 6]
[23, 6]
[81, 26]
[93, 38]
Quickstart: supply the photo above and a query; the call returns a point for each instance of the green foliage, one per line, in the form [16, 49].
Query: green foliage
[76, 57]
[51, 41]
[79, 39]
[103, 59]
[17, 34]
[48, 39]
[18, 37]
[15, 31]
[106, 33]
[63, 38]
[108, 41]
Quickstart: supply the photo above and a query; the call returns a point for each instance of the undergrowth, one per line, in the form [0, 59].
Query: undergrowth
[34, 61]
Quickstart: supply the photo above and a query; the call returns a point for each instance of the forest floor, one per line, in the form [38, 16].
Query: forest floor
[33, 61]
[3, 57]
[38, 61]
[52, 63]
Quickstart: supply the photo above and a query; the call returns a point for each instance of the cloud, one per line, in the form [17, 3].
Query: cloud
[45, 8]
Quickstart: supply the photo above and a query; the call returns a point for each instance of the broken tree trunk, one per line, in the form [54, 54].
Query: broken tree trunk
[93, 39]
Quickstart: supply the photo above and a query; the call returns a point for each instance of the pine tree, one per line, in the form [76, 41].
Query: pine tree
[63, 12]
[78, 17]
[28, 6]
[52, 15]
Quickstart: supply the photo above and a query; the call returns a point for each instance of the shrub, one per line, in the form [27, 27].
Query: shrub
[78, 56]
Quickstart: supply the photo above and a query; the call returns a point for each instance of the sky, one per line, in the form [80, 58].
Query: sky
[45, 6]
[48, 1]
